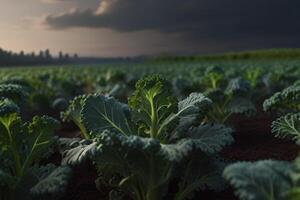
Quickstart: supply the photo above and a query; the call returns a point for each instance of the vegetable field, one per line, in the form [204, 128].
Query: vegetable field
[164, 129]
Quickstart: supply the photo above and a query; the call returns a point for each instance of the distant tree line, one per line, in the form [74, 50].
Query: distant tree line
[9, 58]
[245, 55]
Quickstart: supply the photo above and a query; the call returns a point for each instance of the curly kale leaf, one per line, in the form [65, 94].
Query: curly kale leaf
[78, 152]
[181, 87]
[238, 86]
[195, 106]
[213, 77]
[198, 172]
[11, 135]
[294, 192]
[210, 138]
[22, 147]
[105, 113]
[40, 138]
[156, 164]
[165, 140]
[287, 99]
[42, 182]
[8, 107]
[236, 99]
[149, 175]
[254, 75]
[287, 126]
[13, 92]
[146, 177]
[52, 182]
[151, 103]
[73, 113]
[238, 91]
[261, 180]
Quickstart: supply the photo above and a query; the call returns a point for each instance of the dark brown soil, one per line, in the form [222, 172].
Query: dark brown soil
[253, 141]
[82, 185]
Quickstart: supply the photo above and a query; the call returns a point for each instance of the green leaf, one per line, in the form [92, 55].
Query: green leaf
[79, 152]
[213, 77]
[287, 126]
[151, 104]
[261, 180]
[40, 138]
[242, 105]
[198, 171]
[53, 185]
[195, 105]
[8, 107]
[210, 138]
[67, 143]
[238, 86]
[13, 92]
[73, 113]
[101, 113]
[294, 193]
[152, 171]
[286, 99]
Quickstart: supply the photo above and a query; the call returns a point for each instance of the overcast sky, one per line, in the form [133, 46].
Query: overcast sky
[151, 27]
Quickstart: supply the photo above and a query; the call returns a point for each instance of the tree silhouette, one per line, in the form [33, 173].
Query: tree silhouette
[9, 58]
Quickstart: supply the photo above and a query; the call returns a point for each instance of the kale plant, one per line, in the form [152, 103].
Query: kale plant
[286, 102]
[22, 147]
[140, 148]
[235, 99]
[271, 179]
[265, 180]
[213, 77]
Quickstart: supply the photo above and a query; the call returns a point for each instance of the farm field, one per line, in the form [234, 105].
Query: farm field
[213, 129]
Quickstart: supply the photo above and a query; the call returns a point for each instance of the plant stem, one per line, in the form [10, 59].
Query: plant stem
[16, 156]
[154, 119]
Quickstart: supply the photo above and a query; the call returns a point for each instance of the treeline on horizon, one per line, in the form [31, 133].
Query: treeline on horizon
[245, 55]
[9, 58]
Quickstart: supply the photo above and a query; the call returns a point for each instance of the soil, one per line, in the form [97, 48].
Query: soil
[253, 141]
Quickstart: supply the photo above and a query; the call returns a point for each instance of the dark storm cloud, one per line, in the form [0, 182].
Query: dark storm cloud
[205, 19]
[186, 15]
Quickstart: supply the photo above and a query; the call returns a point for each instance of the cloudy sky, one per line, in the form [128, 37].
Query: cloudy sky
[151, 27]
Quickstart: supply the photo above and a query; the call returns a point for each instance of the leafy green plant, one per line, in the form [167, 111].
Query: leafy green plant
[265, 180]
[15, 92]
[270, 179]
[213, 77]
[22, 147]
[140, 148]
[261, 180]
[286, 101]
[73, 113]
[253, 75]
[236, 99]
